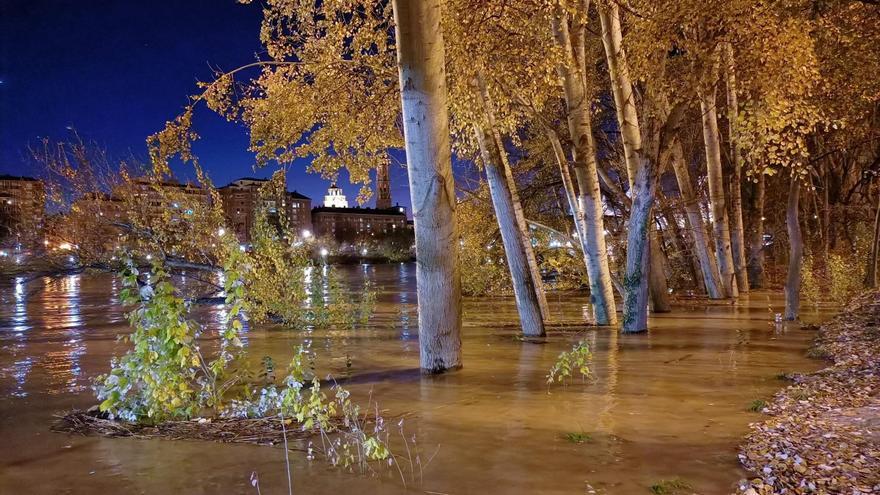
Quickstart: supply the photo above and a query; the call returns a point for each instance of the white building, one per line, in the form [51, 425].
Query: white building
[335, 198]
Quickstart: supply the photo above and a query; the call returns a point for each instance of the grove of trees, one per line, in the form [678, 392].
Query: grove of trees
[645, 150]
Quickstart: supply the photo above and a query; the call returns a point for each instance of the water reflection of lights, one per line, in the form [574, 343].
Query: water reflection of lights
[402, 276]
[19, 315]
[63, 365]
[20, 371]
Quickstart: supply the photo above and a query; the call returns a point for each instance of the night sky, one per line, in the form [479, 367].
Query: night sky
[117, 70]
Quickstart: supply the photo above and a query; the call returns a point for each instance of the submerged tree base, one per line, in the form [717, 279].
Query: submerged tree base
[824, 433]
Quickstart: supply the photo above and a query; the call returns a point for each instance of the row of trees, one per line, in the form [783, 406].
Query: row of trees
[674, 124]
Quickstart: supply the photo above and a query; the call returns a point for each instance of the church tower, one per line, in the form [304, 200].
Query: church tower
[383, 187]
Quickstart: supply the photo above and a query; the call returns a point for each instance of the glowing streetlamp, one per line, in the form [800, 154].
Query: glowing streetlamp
[324, 252]
[306, 233]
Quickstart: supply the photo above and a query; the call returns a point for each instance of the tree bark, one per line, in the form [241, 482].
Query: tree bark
[519, 215]
[796, 251]
[756, 248]
[638, 252]
[871, 271]
[716, 192]
[630, 132]
[514, 250]
[737, 232]
[587, 176]
[699, 235]
[420, 57]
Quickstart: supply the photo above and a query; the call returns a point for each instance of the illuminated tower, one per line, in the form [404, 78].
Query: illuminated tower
[383, 187]
[335, 198]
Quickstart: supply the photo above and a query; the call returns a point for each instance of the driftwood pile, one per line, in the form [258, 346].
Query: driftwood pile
[259, 431]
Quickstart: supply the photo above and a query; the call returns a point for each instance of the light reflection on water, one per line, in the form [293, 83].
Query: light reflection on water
[663, 405]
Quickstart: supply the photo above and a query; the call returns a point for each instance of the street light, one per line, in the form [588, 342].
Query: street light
[306, 233]
[324, 252]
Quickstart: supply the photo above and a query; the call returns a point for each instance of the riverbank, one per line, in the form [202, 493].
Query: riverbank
[823, 434]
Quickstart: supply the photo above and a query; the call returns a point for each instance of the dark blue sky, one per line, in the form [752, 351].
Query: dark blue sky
[117, 70]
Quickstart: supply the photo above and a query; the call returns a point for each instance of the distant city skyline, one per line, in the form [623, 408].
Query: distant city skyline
[116, 71]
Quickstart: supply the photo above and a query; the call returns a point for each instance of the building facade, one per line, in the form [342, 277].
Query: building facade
[22, 210]
[242, 200]
[357, 224]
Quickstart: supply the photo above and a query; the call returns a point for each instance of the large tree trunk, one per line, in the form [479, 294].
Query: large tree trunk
[523, 284]
[630, 132]
[587, 176]
[796, 252]
[756, 244]
[519, 215]
[638, 252]
[420, 57]
[716, 192]
[699, 235]
[737, 231]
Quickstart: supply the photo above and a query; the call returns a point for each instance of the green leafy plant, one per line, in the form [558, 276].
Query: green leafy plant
[165, 375]
[576, 360]
[757, 405]
[578, 437]
[670, 487]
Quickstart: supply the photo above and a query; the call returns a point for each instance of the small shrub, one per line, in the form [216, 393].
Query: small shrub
[576, 360]
[818, 352]
[757, 405]
[670, 487]
[578, 437]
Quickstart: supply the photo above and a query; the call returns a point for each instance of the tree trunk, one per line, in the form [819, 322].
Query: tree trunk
[796, 252]
[699, 235]
[519, 216]
[638, 252]
[587, 176]
[570, 193]
[514, 250]
[420, 57]
[756, 248]
[737, 232]
[630, 132]
[716, 192]
[871, 271]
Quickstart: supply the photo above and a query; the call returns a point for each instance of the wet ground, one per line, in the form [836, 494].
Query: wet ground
[671, 404]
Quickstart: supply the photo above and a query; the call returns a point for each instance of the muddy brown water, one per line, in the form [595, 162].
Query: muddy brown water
[670, 404]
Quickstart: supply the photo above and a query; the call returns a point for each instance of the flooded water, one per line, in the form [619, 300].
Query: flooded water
[669, 404]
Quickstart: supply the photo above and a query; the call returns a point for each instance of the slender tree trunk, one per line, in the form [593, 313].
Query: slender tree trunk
[523, 284]
[716, 192]
[737, 231]
[587, 176]
[630, 131]
[519, 215]
[621, 87]
[687, 253]
[420, 57]
[826, 213]
[871, 271]
[756, 248]
[699, 235]
[796, 252]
